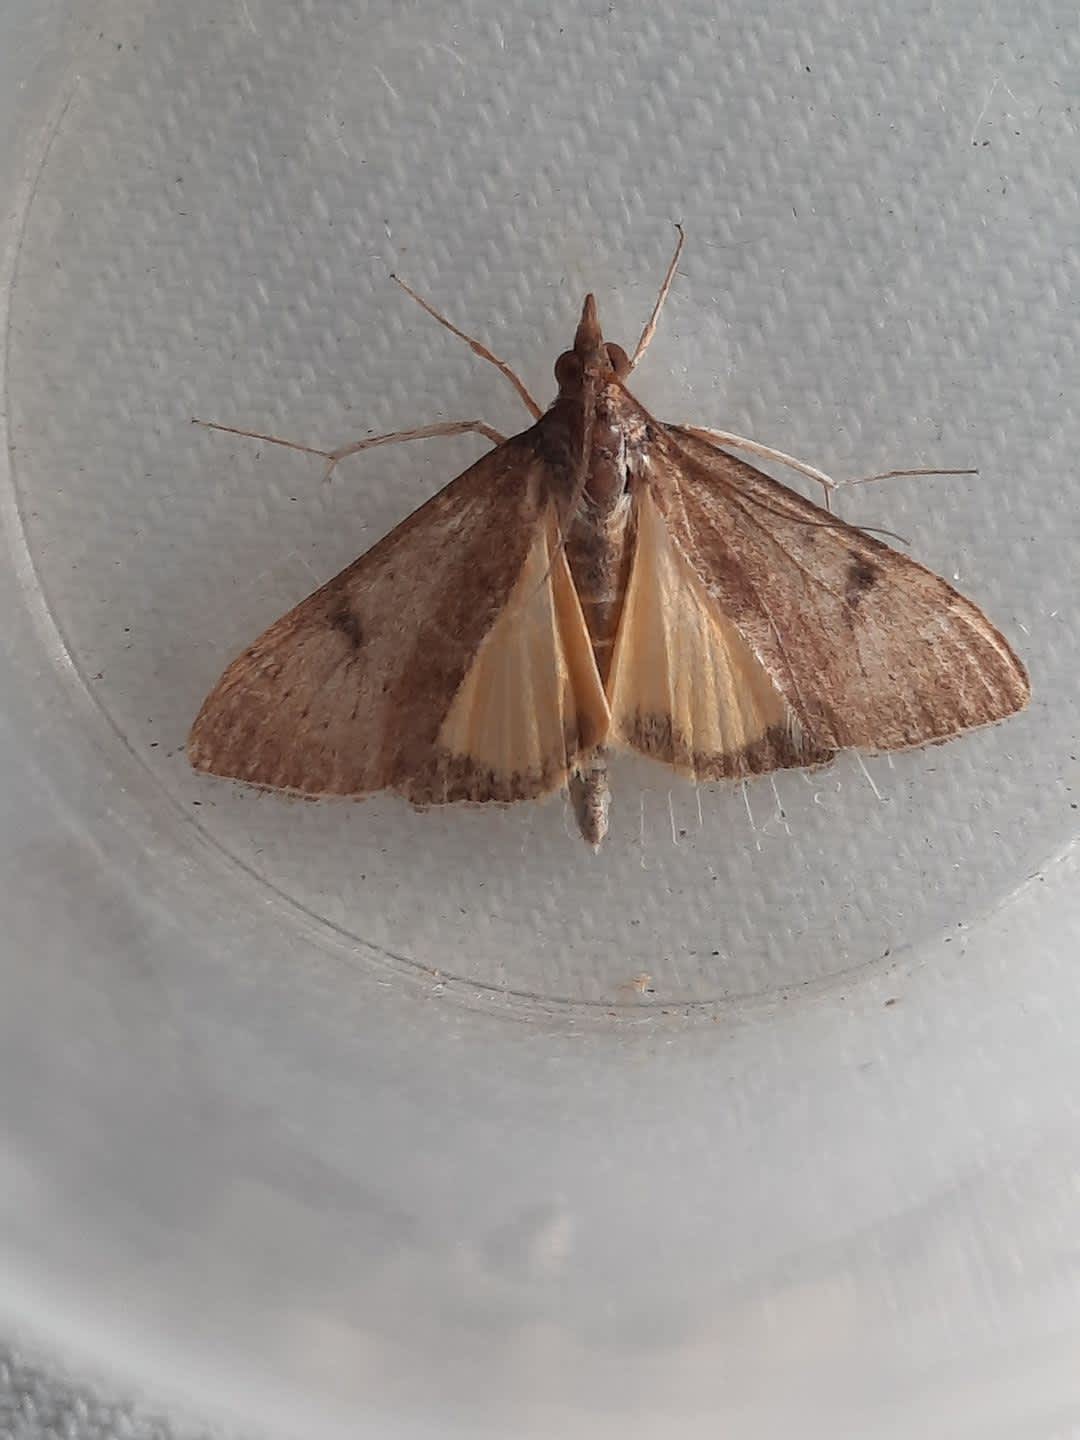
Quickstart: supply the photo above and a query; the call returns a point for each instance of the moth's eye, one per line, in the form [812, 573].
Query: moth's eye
[567, 370]
[620, 361]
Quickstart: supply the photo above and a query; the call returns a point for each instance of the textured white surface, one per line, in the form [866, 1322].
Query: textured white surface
[38, 1403]
[361, 1171]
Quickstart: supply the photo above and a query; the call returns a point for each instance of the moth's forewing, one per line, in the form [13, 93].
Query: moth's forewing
[448, 663]
[864, 646]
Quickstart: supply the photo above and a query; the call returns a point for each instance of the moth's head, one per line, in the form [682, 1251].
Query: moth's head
[590, 355]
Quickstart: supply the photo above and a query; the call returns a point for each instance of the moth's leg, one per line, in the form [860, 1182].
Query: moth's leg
[424, 432]
[650, 324]
[894, 474]
[739, 442]
[754, 447]
[477, 349]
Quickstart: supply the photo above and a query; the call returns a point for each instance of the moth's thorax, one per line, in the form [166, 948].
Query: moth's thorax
[598, 415]
[600, 542]
[616, 452]
[599, 550]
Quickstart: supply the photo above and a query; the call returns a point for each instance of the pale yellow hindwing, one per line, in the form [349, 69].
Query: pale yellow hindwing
[684, 686]
[532, 699]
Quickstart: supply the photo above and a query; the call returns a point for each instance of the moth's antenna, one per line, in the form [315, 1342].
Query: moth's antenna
[650, 325]
[476, 347]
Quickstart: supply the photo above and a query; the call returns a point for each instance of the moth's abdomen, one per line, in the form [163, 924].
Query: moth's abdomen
[599, 552]
[602, 618]
[591, 796]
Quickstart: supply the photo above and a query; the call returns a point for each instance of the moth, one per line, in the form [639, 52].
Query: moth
[601, 581]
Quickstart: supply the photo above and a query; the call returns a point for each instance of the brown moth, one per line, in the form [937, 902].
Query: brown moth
[601, 580]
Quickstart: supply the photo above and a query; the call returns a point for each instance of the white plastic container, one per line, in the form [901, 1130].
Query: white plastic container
[365, 1121]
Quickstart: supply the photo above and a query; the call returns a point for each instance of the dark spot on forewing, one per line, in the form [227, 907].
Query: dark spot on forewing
[344, 621]
[862, 576]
